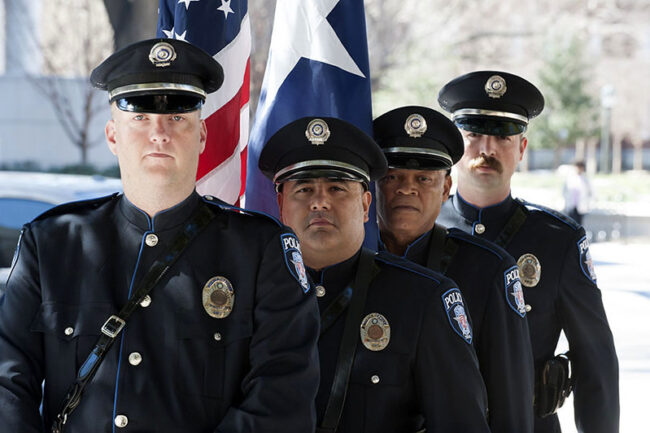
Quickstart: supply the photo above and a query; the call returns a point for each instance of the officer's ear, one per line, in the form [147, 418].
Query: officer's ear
[523, 143]
[109, 130]
[279, 197]
[366, 199]
[203, 134]
[447, 187]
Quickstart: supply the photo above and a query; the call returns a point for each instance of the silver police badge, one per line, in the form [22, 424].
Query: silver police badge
[317, 132]
[495, 87]
[218, 297]
[530, 270]
[415, 125]
[375, 332]
[162, 54]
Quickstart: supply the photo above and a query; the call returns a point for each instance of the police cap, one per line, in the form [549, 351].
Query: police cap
[418, 138]
[158, 76]
[313, 147]
[491, 102]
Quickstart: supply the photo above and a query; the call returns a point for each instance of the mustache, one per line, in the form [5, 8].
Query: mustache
[486, 161]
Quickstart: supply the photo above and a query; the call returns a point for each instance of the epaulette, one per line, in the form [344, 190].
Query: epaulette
[552, 212]
[230, 208]
[479, 242]
[75, 206]
[407, 265]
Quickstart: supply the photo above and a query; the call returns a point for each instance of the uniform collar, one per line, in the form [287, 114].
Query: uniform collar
[336, 277]
[416, 250]
[493, 213]
[164, 219]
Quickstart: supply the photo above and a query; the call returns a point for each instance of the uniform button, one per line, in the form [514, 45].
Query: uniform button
[69, 330]
[217, 336]
[528, 308]
[151, 240]
[121, 421]
[135, 358]
[480, 228]
[146, 301]
[374, 379]
[320, 291]
[209, 197]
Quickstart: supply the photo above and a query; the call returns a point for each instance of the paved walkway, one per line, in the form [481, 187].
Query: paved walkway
[623, 271]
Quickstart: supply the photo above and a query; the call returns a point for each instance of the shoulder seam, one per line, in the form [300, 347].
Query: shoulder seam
[470, 241]
[414, 271]
[230, 208]
[553, 213]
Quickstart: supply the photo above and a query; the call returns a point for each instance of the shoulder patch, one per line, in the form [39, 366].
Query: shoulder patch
[75, 205]
[513, 291]
[230, 208]
[586, 263]
[552, 212]
[293, 259]
[452, 301]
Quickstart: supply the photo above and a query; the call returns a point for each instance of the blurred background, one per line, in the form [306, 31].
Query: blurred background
[590, 59]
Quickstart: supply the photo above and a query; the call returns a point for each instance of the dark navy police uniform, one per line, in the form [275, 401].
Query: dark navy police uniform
[419, 138]
[565, 298]
[488, 278]
[224, 342]
[551, 250]
[412, 364]
[174, 368]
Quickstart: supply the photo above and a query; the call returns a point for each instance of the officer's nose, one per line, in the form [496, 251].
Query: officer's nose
[320, 199]
[406, 186]
[486, 145]
[159, 133]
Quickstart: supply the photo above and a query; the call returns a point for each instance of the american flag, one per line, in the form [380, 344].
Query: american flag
[222, 28]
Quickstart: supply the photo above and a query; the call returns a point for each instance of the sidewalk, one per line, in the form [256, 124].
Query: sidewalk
[624, 278]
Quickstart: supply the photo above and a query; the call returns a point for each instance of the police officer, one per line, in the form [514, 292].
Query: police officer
[492, 110]
[395, 345]
[421, 145]
[221, 335]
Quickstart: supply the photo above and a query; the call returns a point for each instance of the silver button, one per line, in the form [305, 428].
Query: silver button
[146, 301]
[217, 336]
[208, 197]
[121, 421]
[135, 358]
[374, 379]
[528, 308]
[320, 291]
[69, 330]
[479, 228]
[151, 240]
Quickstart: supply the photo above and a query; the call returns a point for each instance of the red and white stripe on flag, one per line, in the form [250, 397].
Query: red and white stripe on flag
[222, 166]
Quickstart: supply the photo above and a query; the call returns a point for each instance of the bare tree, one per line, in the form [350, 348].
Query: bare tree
[67, 53]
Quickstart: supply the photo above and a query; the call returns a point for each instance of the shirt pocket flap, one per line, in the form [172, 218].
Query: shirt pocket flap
[70, 321]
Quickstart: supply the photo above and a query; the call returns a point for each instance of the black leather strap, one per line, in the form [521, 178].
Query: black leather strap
[436, 245]
[335, 309]
[114, 324]
[366, 271]
[511, 228]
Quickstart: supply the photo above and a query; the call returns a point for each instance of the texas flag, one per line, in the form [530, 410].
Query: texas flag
[317, 66]
[222, 28]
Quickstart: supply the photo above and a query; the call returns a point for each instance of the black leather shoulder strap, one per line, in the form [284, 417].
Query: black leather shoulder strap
[436, 245]
[366, 271]
[114, 324]
[511, 228]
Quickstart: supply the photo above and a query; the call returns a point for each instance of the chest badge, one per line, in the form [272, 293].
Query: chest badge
[530, 270]
[218, 297]
[375, 332]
